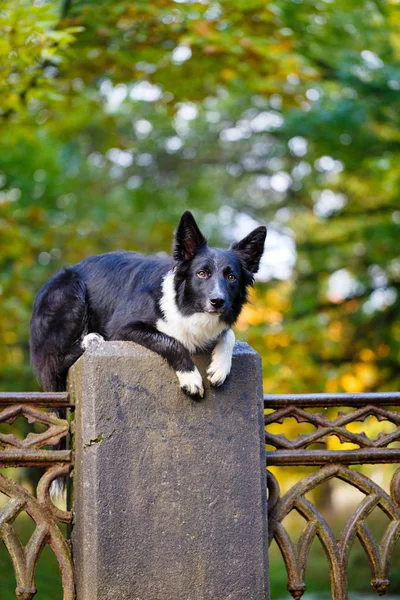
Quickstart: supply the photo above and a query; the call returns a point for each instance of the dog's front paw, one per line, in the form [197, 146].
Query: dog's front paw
[219, 368]
[221, 359]
[191, 382]
[92, 340]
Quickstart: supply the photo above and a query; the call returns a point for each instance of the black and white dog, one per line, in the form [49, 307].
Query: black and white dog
[175, 306]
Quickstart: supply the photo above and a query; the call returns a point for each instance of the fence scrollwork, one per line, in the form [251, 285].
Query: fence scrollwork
[333, 464]
[34, 451]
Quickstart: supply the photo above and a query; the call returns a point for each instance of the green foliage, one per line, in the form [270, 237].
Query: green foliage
[118, 116]
[48, 578]
[31, 47]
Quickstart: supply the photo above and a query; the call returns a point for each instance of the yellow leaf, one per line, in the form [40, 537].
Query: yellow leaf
[351, 384]
[228, 74]
[367, 355]
[367, 373]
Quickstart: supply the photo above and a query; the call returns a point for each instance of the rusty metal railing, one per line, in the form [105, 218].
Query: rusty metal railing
[34, 451]
[333, 464]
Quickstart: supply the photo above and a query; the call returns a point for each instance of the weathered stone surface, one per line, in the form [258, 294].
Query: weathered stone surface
[169, 493]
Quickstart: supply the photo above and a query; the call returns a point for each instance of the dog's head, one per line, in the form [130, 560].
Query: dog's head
[211, 280]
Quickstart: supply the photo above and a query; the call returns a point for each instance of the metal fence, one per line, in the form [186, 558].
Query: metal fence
[34, 451]
[302, 451]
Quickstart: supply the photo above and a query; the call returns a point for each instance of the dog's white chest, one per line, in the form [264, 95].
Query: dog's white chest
[194, 332]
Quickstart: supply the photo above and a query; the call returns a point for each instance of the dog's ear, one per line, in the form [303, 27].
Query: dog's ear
[251, 248]
[188, 238]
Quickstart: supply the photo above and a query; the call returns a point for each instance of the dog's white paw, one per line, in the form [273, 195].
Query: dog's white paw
[221, 359]
[219, 368]
[91, 340]
[191, 382]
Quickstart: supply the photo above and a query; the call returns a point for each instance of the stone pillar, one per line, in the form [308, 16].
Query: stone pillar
[169, 493]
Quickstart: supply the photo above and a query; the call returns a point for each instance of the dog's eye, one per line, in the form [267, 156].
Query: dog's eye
[231, 277]
[202, 274]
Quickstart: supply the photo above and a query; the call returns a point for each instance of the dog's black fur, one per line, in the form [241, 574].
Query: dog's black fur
[124, 296]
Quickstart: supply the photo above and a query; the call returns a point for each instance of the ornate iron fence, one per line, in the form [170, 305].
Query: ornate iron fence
[34, 451]
[333, 464]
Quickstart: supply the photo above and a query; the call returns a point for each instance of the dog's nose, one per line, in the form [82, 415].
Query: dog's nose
[217, 302]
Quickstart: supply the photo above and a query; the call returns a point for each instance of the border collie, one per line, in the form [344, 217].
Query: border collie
[175, 306]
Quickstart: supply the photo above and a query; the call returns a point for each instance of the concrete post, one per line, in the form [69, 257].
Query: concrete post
[169, 494]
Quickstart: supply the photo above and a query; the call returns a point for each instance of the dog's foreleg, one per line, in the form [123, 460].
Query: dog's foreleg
[221, 359]
[174, 352]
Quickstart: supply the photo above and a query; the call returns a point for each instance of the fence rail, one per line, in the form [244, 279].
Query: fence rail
[333, 464]
[55, 399]
[34, 451]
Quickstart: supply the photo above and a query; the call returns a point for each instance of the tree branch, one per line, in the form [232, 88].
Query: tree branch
[65, 8]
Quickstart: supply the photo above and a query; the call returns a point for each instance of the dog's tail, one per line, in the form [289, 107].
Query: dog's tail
[59, 321]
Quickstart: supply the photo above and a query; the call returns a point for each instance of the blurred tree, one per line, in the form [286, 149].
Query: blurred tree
[117, 116]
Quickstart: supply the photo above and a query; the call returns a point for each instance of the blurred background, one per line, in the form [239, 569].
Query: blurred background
[117, 116]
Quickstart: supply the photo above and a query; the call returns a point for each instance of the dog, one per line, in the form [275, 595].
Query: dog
[175, 306]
